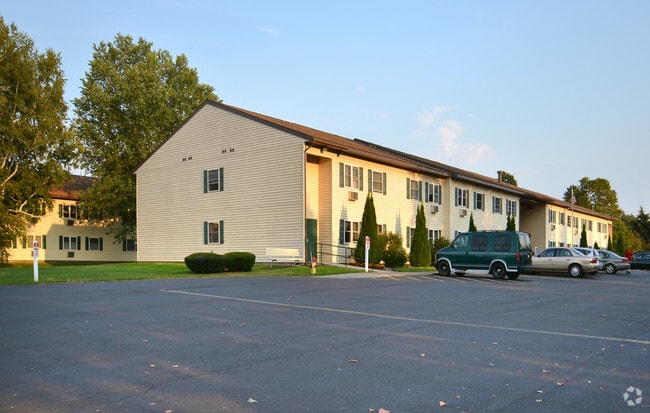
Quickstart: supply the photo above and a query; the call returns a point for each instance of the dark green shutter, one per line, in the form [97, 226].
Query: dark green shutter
[205, 181]
[87, 242]
[205, 232]
[78, 243]
[220, 179]
[60, 242]
[24, 242]
[220, 232]
[60, 211]
[369, 180]
[385, 183]
[408, 188]
[342, 232]
[101, 244]
[420, 191]
[44, 237]
[341, 175]
[408, 237]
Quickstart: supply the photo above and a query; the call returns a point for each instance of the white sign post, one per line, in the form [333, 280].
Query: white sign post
[36, 248]
[367, 249]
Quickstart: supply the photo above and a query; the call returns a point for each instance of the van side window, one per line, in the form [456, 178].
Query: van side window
[461, 241]
[479, 242]
[502, 242]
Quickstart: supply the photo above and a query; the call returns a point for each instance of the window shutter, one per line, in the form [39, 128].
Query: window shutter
[360, 179]
[60, 211]
[101, 244]
[408, 188]
[341, 232]
[205, 232]
[341, 175]
[44, 238]
[385, 183]
[220, 232]
[123, 245]
[474, 200]
[87, 242]
[60, 242]
[455, 196]
[220, 179]
[420, 191]
[24, 242]
[369, 180]
[78, 243]
[205, 182]
[408, 237]
[426, 193]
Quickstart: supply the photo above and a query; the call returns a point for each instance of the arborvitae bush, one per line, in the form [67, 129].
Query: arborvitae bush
[239, 261]
[394, 254]
[420, 255]
[205, 263]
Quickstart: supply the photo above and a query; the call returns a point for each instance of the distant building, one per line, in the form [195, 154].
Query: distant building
[64, 236]
[229, 179]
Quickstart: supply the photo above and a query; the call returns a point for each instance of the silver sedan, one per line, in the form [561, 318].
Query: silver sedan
[565, 260]
[613, 262]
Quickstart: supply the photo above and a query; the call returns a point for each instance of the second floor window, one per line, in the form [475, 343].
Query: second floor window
[462, 196]
[69, 211]
[377, 182]
[511, 208]
[479, 201]
[352, 176]
[213, 180]
[496, 205]
[413, 189]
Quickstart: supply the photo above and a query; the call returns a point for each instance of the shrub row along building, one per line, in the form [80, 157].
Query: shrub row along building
[229, 179]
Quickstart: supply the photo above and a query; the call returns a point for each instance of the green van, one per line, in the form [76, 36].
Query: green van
[499, 253]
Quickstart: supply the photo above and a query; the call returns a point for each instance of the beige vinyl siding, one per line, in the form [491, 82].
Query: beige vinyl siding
[262, 201]
[51, 226]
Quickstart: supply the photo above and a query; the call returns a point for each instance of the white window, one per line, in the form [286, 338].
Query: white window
[70, 243]
[511, 208]
[69, 211]
[462, 196]
[479, 201]
[213, 180]
[213, 233]
[350, 231]
[94, 244]
[414, 188]
[552, 216]
[434, 234]
[497, 205]
[562, 218]
[377, 181]
[352, 176]
[34, 238]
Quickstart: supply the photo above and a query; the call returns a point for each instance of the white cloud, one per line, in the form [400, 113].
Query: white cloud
[429, 117]
[449, 133]
[477, 152]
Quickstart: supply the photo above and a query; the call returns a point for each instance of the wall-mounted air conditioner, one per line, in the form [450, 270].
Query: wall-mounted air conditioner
[353, 196]
[552, 227]
[463, 212]
[434, 209]
[69, 222]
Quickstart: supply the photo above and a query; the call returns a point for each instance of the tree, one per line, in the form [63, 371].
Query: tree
[35, 143]
[369, 229]
[507, 177]
[510, 223]
[595, 194]
[132, 98]
[583, 237]
[420, 254]
[393, 252]
[472, 226]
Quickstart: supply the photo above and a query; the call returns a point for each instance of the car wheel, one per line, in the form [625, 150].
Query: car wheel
[443, 268]
[459, 273]
[610, 269]
[513, 275]
[498, 270]
[575, 270]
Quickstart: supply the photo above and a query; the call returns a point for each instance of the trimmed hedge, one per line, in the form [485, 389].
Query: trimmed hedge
[209, 262]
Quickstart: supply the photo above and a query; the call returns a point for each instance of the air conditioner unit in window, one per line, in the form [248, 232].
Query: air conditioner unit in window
[463, 212]
[353, 196]
[70, 222]
[552, 227]
[70, 254]
[434, 209]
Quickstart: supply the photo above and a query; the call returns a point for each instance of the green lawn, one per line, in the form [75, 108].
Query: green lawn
[22, 274]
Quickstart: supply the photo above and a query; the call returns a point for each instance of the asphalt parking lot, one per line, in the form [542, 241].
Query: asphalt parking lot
[401, 343]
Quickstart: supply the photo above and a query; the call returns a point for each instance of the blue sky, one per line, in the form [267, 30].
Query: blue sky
[550, 91]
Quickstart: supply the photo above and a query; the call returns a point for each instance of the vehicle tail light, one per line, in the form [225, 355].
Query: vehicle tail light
[624, 260]
[518, 256]
[594, 261]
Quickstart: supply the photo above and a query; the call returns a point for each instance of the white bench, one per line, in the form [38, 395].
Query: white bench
[284, 255]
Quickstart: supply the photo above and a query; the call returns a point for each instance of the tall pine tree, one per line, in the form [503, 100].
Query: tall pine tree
[420, 255]
[369, 229]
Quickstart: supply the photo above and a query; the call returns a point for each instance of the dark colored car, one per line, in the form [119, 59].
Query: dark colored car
[640, 261]
[500, 253]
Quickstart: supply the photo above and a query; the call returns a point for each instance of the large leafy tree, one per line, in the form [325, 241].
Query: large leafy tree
[132, 98]
[369, 228]
[595, 194]
[35, 143]
[420, 254]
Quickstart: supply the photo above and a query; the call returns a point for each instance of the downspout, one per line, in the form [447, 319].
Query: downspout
[304, 201]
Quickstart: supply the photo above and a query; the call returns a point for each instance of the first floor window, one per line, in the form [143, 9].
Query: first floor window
[128, 245]
[69, 243]
[213, 232]
[94, 244]
[31, 239]
[381, 229]
[434, 234]
[350, 231]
